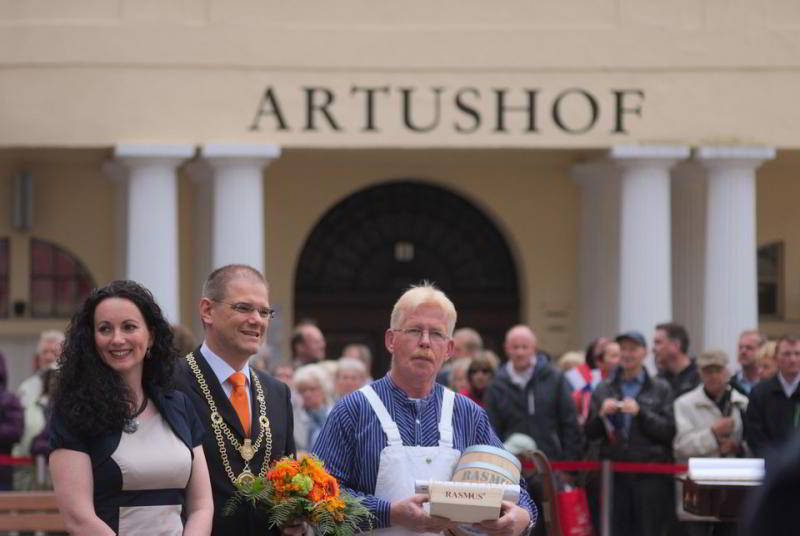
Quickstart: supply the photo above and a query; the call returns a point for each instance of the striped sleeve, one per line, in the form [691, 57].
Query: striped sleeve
[337, 447]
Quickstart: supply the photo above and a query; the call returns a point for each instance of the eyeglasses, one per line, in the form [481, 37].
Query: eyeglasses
[248, 309]
[483, 370]
[435, 336]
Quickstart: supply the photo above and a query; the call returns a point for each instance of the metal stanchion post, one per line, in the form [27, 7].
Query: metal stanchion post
[606, 497]
[40, 468]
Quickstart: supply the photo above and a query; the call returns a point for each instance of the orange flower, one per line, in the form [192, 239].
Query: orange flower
[283, 471]
[336, 507]
[333, 504]
[317, 494]
[331, 487]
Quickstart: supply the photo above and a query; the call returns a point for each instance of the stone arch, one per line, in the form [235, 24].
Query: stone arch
[373, 244]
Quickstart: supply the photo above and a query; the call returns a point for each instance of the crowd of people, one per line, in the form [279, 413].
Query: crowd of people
[604, 403]
[145, 427]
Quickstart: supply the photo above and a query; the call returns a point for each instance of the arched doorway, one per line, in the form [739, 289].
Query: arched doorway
[372, 245]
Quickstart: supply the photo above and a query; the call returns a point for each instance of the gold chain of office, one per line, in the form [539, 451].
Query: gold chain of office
[247, 449]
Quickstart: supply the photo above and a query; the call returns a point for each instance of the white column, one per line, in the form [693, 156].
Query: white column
[152, 219]
[730, 256]
[688, 249]
[645, 278]
[238, 223]
[598, 254]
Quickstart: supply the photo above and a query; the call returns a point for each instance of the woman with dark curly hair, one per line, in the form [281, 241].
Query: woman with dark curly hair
[127, 455]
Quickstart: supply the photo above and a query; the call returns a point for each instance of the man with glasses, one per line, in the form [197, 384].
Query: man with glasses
[247, 414]
[404, 427]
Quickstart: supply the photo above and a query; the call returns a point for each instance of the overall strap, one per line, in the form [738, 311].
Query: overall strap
[388, 425]
[446, 424]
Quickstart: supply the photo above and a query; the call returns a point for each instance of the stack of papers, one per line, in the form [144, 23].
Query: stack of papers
[727, 471]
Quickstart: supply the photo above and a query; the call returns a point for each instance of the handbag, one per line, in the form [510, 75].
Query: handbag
[573, 512]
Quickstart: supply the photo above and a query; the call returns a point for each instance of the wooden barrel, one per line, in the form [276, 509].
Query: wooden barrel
[485, 473]
[485, 463]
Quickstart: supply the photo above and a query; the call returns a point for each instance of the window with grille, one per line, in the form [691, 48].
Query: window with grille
[770, 280]
[59, 281]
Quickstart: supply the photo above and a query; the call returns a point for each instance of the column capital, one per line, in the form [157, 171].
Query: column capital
[260, 154]
[129, 155]
[168, 153]
[728, 156]
[648, 156]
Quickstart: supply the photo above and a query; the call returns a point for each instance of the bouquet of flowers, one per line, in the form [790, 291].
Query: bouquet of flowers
[302, 488]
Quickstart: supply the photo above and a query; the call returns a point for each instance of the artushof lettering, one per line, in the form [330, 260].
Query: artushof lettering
[461, 110]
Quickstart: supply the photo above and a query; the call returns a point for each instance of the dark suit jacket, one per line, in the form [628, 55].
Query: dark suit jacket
[245, 521]
[769, 421]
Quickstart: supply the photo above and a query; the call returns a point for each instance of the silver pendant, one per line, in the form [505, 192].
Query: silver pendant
[247, 451]
[130, 426]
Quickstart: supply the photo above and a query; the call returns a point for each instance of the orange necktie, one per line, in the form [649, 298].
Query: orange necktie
[239, 400]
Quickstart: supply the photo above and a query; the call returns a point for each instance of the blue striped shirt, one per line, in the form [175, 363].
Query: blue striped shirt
[352, 439]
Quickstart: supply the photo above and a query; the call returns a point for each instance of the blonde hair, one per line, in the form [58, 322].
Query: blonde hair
[423, 294]
[570, 359]
[766, 351]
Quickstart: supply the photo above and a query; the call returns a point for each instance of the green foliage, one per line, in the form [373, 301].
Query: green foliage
[304, 483]
[347, 519]
[288, 510]
[259, 491]
[354, 514]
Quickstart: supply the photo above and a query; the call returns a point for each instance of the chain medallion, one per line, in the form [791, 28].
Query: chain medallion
[248, 449]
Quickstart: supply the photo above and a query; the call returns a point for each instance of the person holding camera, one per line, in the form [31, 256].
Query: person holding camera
[632, 417]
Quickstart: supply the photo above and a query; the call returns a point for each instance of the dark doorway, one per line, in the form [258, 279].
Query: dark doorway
[367, 249]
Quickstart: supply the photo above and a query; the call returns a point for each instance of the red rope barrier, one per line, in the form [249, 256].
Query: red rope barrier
[12, 460]
[617, 467]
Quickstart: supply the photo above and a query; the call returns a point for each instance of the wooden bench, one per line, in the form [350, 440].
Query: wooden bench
[30, 511]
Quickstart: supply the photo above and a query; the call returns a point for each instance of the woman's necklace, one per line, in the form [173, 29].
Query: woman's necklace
[132, 424]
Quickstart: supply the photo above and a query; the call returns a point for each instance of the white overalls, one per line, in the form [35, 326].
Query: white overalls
[401, 466]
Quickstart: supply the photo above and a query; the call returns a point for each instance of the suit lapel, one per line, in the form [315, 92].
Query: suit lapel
[224, 406]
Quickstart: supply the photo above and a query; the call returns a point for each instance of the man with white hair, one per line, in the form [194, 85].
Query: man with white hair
[404, 427]
[47, 351]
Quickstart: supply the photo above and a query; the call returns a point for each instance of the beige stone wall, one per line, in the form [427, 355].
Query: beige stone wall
[92, 73]
[527, 194]
[778, 221]
[75, 208]
[88, 74]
